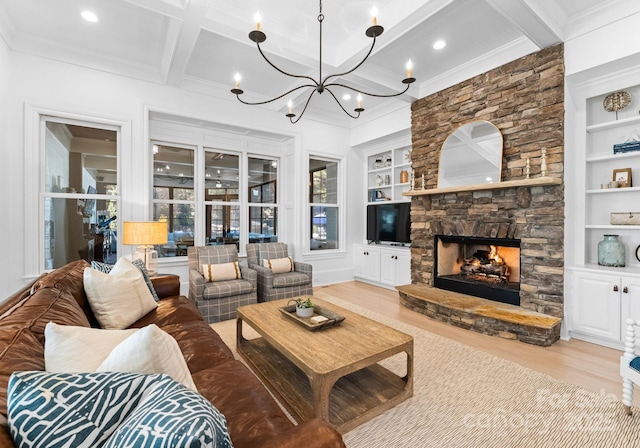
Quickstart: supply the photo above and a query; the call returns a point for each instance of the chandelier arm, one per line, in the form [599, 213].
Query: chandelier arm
[354, 68]
[282, 71]
[340, 104]
[276, 98]
[353, 89]
[303, 109]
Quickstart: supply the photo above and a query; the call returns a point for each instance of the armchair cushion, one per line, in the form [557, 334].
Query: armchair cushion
[221, 271]
[278, 265]
[290, 279]
[226, 288]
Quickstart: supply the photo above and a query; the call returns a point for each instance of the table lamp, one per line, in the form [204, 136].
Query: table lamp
[145, 235]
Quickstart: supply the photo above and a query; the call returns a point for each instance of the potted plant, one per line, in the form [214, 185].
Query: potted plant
[304, 307]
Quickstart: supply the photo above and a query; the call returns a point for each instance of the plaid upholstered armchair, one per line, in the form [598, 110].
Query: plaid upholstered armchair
[218, 284]
[279, 277]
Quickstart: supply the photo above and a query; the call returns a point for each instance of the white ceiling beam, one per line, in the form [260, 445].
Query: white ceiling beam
[193, 22]
[529, 21]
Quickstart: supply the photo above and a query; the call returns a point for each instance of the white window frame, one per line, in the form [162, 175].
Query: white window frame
[340, 205]
[34, 172]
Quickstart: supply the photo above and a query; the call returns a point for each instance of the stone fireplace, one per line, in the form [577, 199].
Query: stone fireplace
[480, 267]
[525, 101]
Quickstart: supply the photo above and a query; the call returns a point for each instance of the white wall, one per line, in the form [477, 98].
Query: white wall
[42, 83]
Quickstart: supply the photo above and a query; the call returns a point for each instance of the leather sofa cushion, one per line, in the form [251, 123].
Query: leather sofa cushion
[290, 279]
[170, 311]
[70, 278]
[252, 414]
[226, 288]
[20, 349]
[46, 305]
[201, 347]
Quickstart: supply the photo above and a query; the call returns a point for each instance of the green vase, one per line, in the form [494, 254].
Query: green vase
[611, 252]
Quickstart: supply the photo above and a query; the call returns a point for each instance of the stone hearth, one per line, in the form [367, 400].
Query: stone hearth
[481, 315]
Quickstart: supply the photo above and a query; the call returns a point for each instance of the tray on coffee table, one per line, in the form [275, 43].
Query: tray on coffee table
[333, 319]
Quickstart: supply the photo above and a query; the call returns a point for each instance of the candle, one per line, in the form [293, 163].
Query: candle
[290, 104]
[409, 67]
[359, 101]
[374, 16]
[258, 19]
[237, 78]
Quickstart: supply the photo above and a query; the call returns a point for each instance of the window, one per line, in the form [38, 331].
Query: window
[222, 196]
[173, 197]
[324, 204]
[205, 198]
[263, 209]
[79, 191]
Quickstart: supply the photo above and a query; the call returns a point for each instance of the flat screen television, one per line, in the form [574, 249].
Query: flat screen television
[389, 223]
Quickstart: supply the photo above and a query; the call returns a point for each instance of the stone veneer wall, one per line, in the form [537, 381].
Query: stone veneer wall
[525, 100]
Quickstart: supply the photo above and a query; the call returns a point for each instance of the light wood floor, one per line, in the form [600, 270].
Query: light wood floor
[590, 366]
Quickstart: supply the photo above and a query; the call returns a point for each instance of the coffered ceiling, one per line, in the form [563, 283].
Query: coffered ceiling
[198, 45]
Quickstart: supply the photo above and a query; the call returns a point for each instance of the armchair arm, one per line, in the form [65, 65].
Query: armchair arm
[250, 275]
[196, 285]
[305, 268]
[265, 275]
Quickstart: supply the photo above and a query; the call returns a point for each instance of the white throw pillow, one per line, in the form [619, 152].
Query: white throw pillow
[279, 265]
[221, 271]
[120, 297]
[149, 350]
[68, 348]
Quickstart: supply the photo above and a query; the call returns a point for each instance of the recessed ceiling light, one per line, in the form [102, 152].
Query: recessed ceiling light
[439, 44]
[346, 97]
[89, 16]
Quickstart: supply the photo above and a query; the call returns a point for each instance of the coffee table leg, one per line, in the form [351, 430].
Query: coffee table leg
[321, 387]
[239, 338]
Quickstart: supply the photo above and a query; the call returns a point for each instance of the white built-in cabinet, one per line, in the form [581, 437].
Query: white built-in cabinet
[603, 302]
[382, 265]
[599, 299]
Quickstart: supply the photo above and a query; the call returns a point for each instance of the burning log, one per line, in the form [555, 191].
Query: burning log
[486, 265]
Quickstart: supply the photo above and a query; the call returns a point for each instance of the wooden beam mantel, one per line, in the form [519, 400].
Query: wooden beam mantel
[538, 181]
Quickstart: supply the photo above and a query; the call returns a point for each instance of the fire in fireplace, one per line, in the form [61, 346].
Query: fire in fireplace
[482, 267]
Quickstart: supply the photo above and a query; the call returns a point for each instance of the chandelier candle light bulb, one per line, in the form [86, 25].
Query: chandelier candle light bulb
[258, 19]
[237, 79]
[409, 68]
[374, 16]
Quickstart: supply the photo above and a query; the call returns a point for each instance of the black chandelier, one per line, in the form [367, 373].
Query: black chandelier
[321, 84]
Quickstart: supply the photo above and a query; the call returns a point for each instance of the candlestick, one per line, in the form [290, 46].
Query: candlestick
[543, 164]
[423, 181]
[413, 181]
[528, 168]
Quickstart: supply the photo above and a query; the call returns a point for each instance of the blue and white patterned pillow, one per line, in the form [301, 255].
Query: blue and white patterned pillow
[106, 268]
[110, 410]
[52, 410]
[172, 415]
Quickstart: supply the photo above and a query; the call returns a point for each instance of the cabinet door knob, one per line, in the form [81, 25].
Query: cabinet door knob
[615, 288]
[625, 290]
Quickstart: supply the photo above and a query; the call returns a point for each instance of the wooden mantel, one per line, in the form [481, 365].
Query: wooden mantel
[538, 181]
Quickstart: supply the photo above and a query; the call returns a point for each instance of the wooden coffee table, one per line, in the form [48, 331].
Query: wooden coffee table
[330, 373]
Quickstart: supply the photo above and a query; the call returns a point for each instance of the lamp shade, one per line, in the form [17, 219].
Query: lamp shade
[144, 232]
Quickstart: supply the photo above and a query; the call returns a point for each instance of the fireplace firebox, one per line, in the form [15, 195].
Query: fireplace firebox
[477, 266]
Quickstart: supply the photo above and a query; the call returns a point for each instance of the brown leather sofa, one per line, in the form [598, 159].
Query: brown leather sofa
[254, 419]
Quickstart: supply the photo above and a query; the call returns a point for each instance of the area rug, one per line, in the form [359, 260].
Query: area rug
[467, 398]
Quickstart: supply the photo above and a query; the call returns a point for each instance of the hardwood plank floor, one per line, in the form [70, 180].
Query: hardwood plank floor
[587, 365]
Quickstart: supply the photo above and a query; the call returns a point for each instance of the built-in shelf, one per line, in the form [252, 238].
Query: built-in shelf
[612, 124]
[612, 227]
[613, 190]
[620, 156]
[539, 181]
